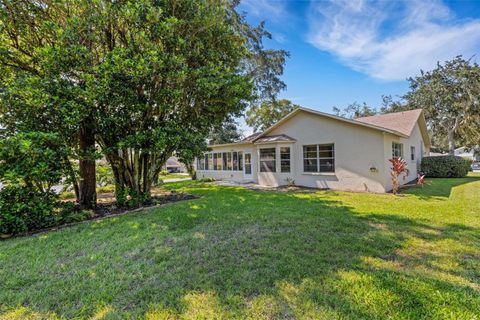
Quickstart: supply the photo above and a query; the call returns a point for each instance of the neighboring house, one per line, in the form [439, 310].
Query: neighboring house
[320, 150]
[466, 153]
[173, 165]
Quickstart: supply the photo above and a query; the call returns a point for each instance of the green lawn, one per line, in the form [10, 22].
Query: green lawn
[174, 176]
[245, 254]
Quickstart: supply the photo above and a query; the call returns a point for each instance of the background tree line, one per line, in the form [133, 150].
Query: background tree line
[450, 98]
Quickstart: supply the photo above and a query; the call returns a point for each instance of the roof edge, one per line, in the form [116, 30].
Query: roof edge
[331, 116]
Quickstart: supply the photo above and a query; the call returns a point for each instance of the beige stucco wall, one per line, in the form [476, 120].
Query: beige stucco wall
[356, 150]
[421, 150]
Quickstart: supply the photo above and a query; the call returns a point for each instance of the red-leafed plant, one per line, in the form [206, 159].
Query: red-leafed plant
[399, 166]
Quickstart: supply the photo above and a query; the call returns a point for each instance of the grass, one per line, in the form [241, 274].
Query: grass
[244, 254]
[174, 176]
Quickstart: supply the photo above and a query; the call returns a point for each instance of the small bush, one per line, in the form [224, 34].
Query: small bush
[445, 167]
[106, 189]
[206, 180]
[25, 209]
[163, 172]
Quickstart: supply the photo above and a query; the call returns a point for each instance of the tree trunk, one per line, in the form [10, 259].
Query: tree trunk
[88, 193]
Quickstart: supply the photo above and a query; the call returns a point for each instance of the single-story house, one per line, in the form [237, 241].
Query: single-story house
[173, 165]
[320, 150]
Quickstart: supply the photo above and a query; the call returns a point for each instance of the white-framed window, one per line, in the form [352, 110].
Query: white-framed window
[221, 161]
[412, 153]
[229, 161]
[240, 161]
[268, 160]
[397, 150]
[225, 161]
[235, 160]
[319, 158]
[284, 159]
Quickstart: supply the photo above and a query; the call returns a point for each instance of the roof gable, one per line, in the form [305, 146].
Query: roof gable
[329, 116]
[403, 122]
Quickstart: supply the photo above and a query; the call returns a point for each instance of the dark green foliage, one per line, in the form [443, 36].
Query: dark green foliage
[445, 167]
[33, 159]
[104, 175]
[449, 96]
[24, 209]
[227, 132]
[260, 117]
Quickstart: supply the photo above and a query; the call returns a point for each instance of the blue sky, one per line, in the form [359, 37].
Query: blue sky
[356, 50]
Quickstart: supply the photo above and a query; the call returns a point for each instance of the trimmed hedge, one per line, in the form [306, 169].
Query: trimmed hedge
[445, 167]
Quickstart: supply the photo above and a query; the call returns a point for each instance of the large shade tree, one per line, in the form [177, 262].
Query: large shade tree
[450, 97]
[263, 115]
[142, 78]
[43, 83]
[227, 132]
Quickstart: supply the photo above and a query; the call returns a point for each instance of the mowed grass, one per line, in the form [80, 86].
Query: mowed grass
[242, 254]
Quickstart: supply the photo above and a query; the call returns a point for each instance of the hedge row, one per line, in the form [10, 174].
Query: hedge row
[445, 167]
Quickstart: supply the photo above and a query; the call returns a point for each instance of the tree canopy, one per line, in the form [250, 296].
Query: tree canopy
[449, 95]
[227, 132]
[140, 78]
[264, 115]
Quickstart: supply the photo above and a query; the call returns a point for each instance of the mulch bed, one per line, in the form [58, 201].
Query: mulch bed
[106, 205]
[106, 208]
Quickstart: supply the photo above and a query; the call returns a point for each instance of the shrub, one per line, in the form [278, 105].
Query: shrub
[445, 167]
[206, 180]
[25, 209]
[104, 175]
[33, 159]
[163, 172]
[106, 189]
[399, 167]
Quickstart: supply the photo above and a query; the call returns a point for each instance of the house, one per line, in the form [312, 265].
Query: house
[468, 153]
[320, 150]
[173, 165]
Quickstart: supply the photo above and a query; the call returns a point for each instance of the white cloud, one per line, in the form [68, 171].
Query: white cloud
[391, 40]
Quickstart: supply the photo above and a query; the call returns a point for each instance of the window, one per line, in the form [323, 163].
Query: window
[267, 160]
[240, 160]
[397, 150]
[229, 161]
[201, 164]
[220, 162]
[235, 161]
[225, 159]
[319, 158]
[284, 159]
[310, 158]
[206, 161]
[248, 163]
[412, 153]
[210, 161]
[215, 164]
[326, 157]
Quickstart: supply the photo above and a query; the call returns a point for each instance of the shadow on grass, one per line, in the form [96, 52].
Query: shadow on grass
[243, 254]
